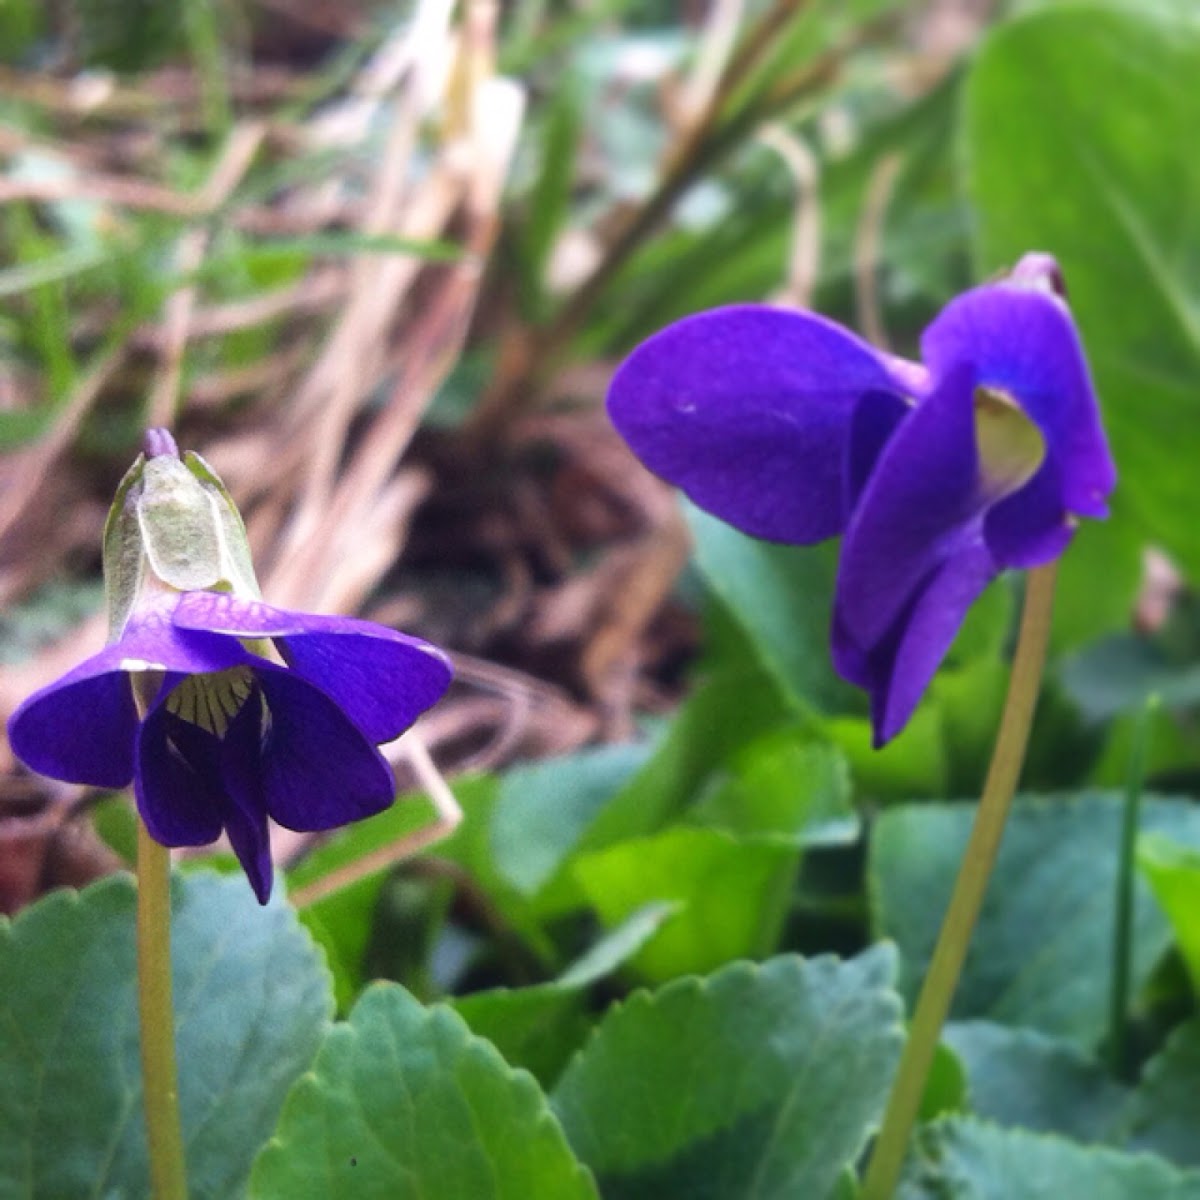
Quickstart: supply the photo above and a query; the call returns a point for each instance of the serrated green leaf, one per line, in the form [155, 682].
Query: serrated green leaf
[252, 1003]
[1041, 954]
[540, 1027]
[753, 1084]
[404, 1102]
[1163, 1114]
[1025, 1079]
[537, 1028]
[963, 1159]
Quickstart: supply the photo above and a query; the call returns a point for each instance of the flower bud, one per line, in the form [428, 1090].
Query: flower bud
[172, 524]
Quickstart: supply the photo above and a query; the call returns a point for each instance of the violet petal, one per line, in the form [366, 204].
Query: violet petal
[1024, 342]
[383, 680]
[1030, 528]
[318, 768]
[921, 495]
[83, 726]
[243, 807]
[178, 784]
[876, 417]
[747, 409]
[904, 664]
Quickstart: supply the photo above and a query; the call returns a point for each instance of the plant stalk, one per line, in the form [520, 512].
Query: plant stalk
[887, 1158]
[160, 1087]
[1123, 922]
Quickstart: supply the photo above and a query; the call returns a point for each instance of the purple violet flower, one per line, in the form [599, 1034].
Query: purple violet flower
[220, 709]
[939, 475]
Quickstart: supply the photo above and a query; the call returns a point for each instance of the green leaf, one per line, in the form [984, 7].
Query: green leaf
[404, 1102]
[1173, 872]
[1042, 952]
[341, 920]
[912, 764]
[969, 701]
[1164, 1112]
[784, 787]
[782, 597]
[755, 1083]
[537, 1028]
[963, 1159]
[618, 946]
[946, 1087]
[1091, 174]
[544, 809]
[252, 1003]
[1120, 673]
[1110, 550]
[732, 895]
[1020, 1077]
[540, 1027]
[726, 711]
[341, 925]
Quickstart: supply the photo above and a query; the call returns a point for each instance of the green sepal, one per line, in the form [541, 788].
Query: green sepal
[175, 518]
[238, 564]
[124, 563]
[179, 526]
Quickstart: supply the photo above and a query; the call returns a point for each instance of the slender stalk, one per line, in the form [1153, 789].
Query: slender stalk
[156, 1016]
[1123, 921]
[887, 1158]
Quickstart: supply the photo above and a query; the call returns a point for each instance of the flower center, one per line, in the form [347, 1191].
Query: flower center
[211, 701]
[1011, 447]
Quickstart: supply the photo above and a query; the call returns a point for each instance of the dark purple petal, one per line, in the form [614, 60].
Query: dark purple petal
[243, 809]
[876, 417]
[903, 664]
[747, 409]
[1030, 528]
[178, 781]
[318, 769]
[83, 727]
[381, 679]
[921, 495]
[1023, 341]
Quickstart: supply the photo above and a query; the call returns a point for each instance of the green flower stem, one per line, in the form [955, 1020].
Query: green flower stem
[160, 1087]
[887, 1158]
[1123, 924]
